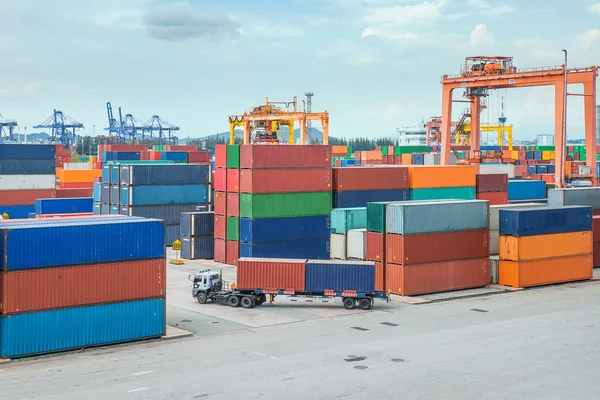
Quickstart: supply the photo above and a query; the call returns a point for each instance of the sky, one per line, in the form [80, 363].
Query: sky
[375, 65]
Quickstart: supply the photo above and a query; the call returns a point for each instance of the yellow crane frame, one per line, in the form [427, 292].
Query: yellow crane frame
[501, 130]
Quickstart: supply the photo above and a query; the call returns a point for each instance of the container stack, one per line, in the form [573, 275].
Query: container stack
[27, 172]
[437, 246]
[197, 235]
[233, 204]
[342, 221]
[220, 203]
[543, 246]
[357, 186]
[493, 188]
[77, 178]
[58, 295]
[525, 191]
[284, 201]
[442, 182]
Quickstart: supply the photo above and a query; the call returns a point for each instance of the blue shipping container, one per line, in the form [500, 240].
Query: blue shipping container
[175, 156]
[72, 205]
[28, 151]
[551, 168]
[545, 221]
[115, 194]
[490, 148]
[27, 167]
[171, 213]
[163, 194]
[115, 175]
[345, 163]
[418, 159]
[537, 155]
[198, 223]
[340, 275]
[344, 219]
[524, 189]
[283, 229]
[531, 169]
[198, 247]
[360, 198]
[77, 242]
[542, 169]
[106, 169]
[530, 155]
[97, 208]
[17, 212]
[75, 328]
[120, 156]
[169, 174]
[98, 191]
[105, 194]
[317, 249]
[171, 233]
[114, 209]
[105, 209]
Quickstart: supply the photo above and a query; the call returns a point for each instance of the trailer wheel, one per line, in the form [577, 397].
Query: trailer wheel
[365, 304]
[349, 303]
[234, 301]
[247, 302]
[202, 298]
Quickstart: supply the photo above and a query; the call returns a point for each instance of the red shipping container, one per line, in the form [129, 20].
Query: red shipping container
[220, 203]
[76, 185]
[233, 204]
[375, 246]
[492, 183]
[357, 155]
[437, 277]
[596, 254]
[338, 163]
[221, 156]
[220, 183]
[24, 197]
[70, 193]
[45, 289]
[371, 178]
[495, 198]
[285, 180]
[220, 227]
[183, 147]
[397, 160]
[199, 157]
[233, 180]
[297, 156]
[233, 252]
[596, 212]
[155, 155]
[220, 250]
[271, 274]
[521, 170]
[97, 179]
[447, 246]
[379, 276]
[596, 225]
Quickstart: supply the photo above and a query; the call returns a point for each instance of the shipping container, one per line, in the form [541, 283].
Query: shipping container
[77, 165]
[430, 217]
[27, 167]
[115, 175]
[74, 176]
[589, 196]
[340, 276]
[525, 190]
[233, 203]
[547, 271]
[199, 157]
[105, 209]
[439, 176]
[115, 194]
[27, 151]
[460, 193]
[221, 156]
[220, 182]
[297, 156]
[271, 274]
[97, 191]
[437, 247]
[316, 249]
[171, 213]
[233, 156]
[357, 241]
[163, 194]
[495, 212]
[97, 208]
[198, 247]
[493, 168]
[233, 252]
[171, 234]
[79, 327]
[370, 178]
[233, 229]
[45, 289]
[495, 198]
[379, 276]
[16, 212]
[360, 198]
[169, 174]
[220, 227]
[290, 180]
[492, 183]
[596, 254]
[285, 204]
[437, 277]
[220, 250]
[596, 227]
[525, 248]
[112, 240]
[64, 206]
[344, 219]
[376, 215]
[284, 229]
[198, 223]
[543, 221]
[220, 203]
[233, 180]
[27, 182]
[24, 197]
[177, 156]
[375, 246]
[337, 246]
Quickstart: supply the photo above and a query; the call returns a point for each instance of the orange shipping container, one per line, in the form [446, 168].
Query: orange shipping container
[72, 176]
[545, 246]
[406, 159]
[342, 150]
[545, 272]
[374, 155]
[438, 176]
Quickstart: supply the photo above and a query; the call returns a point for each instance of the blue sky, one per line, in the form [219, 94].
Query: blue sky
[373, 64]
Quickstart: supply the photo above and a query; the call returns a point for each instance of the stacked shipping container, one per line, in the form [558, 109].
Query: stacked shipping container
[526, 191]
[197, 235]
[48, 208]
[220, 203]
[442, 182]
[493, 188]
[355, 187]
[342, 221]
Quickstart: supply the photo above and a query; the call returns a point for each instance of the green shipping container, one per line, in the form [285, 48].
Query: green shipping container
[582, 157]
[544, 148]
[344, 219]
[384, 150]
[597, 157]
[233, 156]
[350, 153]
[462, 193]
[412, 149]
[397, 151]
[233, 229]
[279, 205]
[376, 216]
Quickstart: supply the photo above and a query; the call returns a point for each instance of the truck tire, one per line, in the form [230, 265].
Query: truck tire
[202, 298]
[247, 302]
[349, 303]
[365, 304]
[234, 301]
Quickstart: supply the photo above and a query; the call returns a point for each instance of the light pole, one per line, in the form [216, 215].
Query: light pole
[564, 124]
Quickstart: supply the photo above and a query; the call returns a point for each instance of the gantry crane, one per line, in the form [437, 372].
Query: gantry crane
[483, 73]
[63, 127]
[7, 129]
[161, 127]
[124, 130]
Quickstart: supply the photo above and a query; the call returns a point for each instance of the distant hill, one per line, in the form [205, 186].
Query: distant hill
[34, 137]
[314, 132]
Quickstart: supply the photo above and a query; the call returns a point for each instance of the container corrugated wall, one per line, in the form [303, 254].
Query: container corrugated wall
[164, 194]
[27, 182]
[344, 219]
[370, 178]
[318, 249]
[526, 248]
[171, 213]
[283, 229]
[546, 271]
[357, 241]
[285, 204]
[526, 190]
[337, 245]
[298, 156]
[360, 198]
[289, 180]
[64, 206]
[197, 223]
[575, 197]
[24, 151]
[462, 193]
[340, 276]
[27, 167]
[528, 222]
[495, 212]
[271, 274]
[197, 247]
[440, 176]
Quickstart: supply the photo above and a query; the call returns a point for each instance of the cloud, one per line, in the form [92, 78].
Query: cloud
[181, 21]
[353, 55]
[487, 8]
[31, 87]
[594, 8]
[589, 39]
[481, 37]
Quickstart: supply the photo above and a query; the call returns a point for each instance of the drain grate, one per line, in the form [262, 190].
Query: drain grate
[360, 328]
[389, 324]
[186, 320]
[478, 310]
[360, 367]
[354, 358]
[398, 360]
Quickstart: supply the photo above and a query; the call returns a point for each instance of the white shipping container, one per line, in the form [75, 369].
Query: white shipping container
[26, 182]
[494, 242]
[489, 168]
[337, 246]
[432, 159]
[77, 166]
[357, 244]
[494, 269]
[495, 212]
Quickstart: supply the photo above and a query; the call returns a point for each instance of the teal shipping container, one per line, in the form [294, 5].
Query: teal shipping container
[461, 193]
[163, 194]
[344, 219]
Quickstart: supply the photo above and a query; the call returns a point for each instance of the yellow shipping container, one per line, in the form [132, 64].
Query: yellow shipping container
[546, 155]
[78, 176]
[514, 155]
[537, 247]
[439, 176]
[552, 155]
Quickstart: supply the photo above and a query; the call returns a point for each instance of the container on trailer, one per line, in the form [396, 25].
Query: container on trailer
[220, 250]
[589, 196]
[316, 249]
[462, 193]
[375, 246]
[27, 167]
[323, 275]
[546, 271]
[290, 180]
[220, 203]
[543, 221]
[233, 252]
[164, 174]
[27, 151]
[370, 178]
[64, 206]
[27, 182]
[233, 203]
[171, 213]
[492, 183]
[24, 197]
[164, 194]
[357, 240]
[344, 219]
[78, 327]
[298, 156]
[338, 246]
[198, 247]
[284, 204]
[284, 229]
[360, 198]
[233, 181]
[524, 248]
[271, 274]
[493, 168]
[197, 223]
[525, 190]
[438, 176]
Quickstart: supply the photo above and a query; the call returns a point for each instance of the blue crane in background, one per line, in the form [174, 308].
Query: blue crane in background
[7, 129]
[130, 129]
[63, 127]
[160, 129]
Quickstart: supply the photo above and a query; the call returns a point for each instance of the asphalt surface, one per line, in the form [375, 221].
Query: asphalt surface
[534, 344]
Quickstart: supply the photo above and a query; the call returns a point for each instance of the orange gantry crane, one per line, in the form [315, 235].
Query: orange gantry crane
[483, 73]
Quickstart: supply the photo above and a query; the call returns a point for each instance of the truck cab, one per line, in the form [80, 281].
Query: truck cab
[207, 281]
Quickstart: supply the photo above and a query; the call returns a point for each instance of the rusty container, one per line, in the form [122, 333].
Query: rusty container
[437, 247]
[298, 156]
[220, 203]
[233, 203]
[271, 274]
[233, 252]
[523, 248]
[220, 227]
[546, 272]
[375, 246]
[289, 180]
[233, 180]
[45, 289]
[220, 250]
[370, 178]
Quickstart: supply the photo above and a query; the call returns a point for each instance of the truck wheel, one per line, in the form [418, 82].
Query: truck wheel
[234, 301]
[202, 298]
[349, 303]
[364, 304]
[247, 302]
